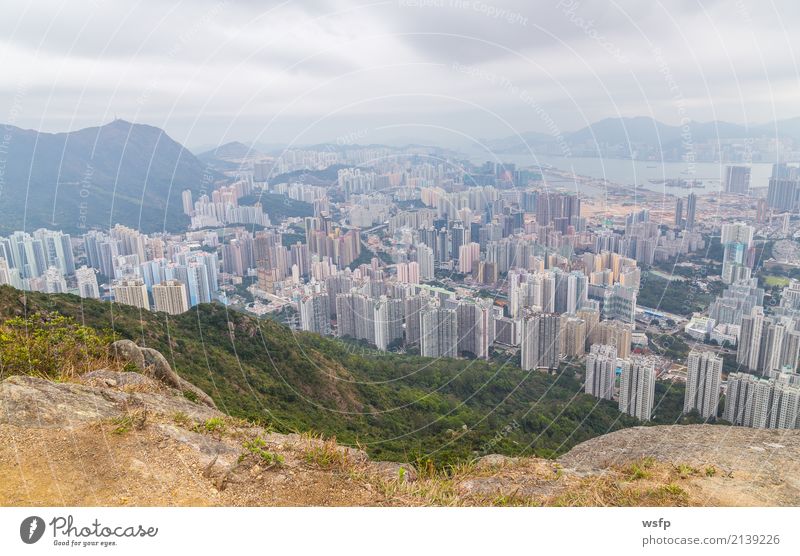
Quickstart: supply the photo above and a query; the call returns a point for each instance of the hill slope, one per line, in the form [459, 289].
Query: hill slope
[96, 177]
[123, 438]
[398, 408]
[231, 152]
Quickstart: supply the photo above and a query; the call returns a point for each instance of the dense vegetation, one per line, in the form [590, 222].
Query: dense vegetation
[51, 346]
[314, 177]
[279, 206]
[396, 406]
[680, 297]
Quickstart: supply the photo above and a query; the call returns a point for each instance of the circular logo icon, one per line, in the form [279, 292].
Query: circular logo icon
[31, 529]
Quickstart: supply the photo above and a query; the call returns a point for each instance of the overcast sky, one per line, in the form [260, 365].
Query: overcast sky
[431, 71]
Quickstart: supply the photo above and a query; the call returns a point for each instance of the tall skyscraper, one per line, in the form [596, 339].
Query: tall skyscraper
[540, 341]
[637, 389]
[170, 297]
[704, 376]
[736, 239]
[737, 179]
[749, 347]
[131, 292]
[413, 305]
[601, 369]
[475, 326]
[619, 303]
[425, 261]
[468, 255]
[679, 212]
[783, 194]
[438, 332]
[188, 203]
[315, 313]
[87, 283]
[691, 211]
[573, 336]
[9, 276]
[388, 322]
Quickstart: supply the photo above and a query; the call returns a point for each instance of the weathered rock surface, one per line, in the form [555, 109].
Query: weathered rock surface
[32, 402]
[727, 448]
[127, 350]
[391, 471]
[128, 381]
[494, 460]
[117, 438]
[152, 363]
[766, 463]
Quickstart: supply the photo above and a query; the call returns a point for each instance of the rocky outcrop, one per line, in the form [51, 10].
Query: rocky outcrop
[664, 465]
[127, 437]
[755, 466]
[124, 437]
[32, 402]
[152, 363]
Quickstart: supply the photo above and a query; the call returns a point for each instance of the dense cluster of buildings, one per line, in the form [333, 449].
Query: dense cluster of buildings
[629, 380]
[551, 304]
[223, 207]
[764, 391]
[469, 261]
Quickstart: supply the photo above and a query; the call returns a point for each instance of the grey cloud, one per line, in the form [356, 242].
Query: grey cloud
[246, 69]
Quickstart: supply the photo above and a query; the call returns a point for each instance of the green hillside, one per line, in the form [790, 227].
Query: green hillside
[396, 407]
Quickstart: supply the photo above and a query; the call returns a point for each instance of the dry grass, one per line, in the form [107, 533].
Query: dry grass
[132, 419]
[325, 453]
[432, 487]
[181, 419]
[641, 483]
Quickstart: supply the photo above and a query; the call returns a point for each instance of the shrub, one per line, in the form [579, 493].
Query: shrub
[325, 453]
[214, 425]
[51, 346]
[257, 447]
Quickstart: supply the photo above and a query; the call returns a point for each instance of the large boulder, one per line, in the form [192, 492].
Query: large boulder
[128, 351]
[153, 364]
[159, 368]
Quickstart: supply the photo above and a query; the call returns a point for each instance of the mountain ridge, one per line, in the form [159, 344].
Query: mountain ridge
[95, 177]
[647, 130]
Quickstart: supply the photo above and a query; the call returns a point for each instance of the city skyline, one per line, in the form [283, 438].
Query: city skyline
[400, 253]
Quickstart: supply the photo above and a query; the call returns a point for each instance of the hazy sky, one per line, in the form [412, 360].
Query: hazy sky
[435, 71]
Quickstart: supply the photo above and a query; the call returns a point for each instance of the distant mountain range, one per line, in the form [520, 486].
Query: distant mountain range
[229, 157]
[232, 151]
[647, 131]
[134, 174]
[121, 172]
